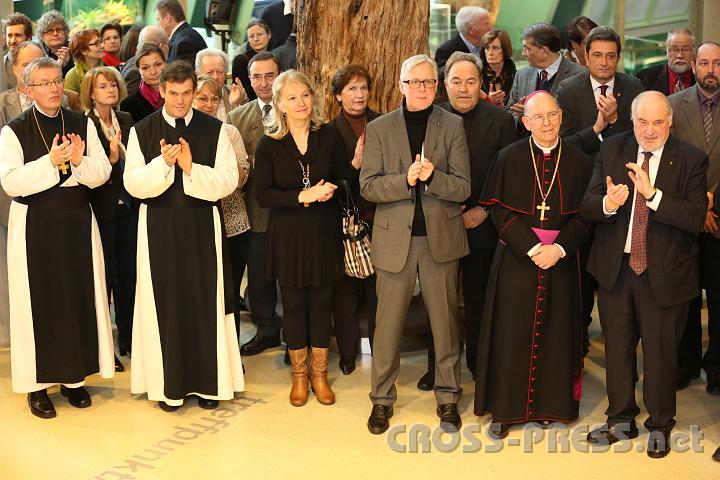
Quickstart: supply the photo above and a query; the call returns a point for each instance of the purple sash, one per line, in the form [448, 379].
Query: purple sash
[546, 237]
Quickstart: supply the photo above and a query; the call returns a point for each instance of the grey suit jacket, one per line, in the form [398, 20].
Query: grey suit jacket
[9, 80]
[131, 75]
[383, 180]
[526, 81]
[248, 120]
[688, 126]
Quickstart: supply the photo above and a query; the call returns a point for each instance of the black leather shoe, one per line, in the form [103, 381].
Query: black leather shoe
[609, 434]
[258, 344]
[242, 306]
[545, 424]
[658, 444]
[124, 352]
[716, 455]
[379, 419]
[208, 404]
[78, 397]
[499, 430]
[167, 408]
[713, 385]
[286, 358]
[347, 366]
[118, 365]
[450, 420]
[427, 381]
[40, 404]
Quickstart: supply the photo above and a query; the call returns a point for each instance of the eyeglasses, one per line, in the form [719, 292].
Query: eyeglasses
[415, 84]
[46, 85]
[96, 43]
[683, 50]
[552, 117]
[52, 31]
[205, 100]
[269, 77]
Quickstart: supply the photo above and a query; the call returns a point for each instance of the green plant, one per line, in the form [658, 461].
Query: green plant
[109, 11]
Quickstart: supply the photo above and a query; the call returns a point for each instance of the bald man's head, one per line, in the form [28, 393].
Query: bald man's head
[542, 118]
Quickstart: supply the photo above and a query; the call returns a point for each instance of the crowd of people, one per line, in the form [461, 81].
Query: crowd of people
[135, 175]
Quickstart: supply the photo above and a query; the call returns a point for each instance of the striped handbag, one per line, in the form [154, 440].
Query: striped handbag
[355, 236]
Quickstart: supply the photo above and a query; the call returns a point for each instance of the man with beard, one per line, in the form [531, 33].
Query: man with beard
[695, 111]
[675, 74]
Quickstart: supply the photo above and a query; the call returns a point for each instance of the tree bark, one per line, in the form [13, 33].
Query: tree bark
[377, 34]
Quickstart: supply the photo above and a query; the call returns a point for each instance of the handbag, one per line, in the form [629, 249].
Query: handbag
[355, 236]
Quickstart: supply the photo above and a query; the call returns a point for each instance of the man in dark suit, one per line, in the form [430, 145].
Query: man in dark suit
[251, 119]
[280, 20]
[645, 260]
[185, 42]
[596, 103]
[546, 67]
[697, 123]
[472, 22]
[674, 75]
[488, 129]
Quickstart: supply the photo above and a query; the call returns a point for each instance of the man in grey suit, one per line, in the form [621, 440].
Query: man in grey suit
[416, 169]
[546, 69]
[250, 119]
[150, 34]
[697, 122]
[18, 29]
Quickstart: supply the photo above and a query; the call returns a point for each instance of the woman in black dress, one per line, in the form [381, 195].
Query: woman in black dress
[101, 91]
[150, 62]
[351, 87]
[296, 171]
[258, 34]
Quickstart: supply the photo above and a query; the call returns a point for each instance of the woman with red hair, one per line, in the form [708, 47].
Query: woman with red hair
[87, 50]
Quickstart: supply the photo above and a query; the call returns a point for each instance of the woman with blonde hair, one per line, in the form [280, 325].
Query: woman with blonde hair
[101, 92]
[208, 97]
[297, 168]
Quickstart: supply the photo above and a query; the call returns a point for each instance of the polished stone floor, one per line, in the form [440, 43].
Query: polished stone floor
[260, 435]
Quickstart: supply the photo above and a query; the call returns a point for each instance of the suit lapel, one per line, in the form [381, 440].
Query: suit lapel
[530, 80]
[400, 133]
[431, 132]
[480, 126]
[693, 116]
[667, 164]
[14, 106]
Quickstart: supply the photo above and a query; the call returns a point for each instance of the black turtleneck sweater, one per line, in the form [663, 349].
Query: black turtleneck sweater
[416, 124]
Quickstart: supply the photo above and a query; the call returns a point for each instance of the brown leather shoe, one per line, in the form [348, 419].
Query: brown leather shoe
[299, 390]
[319, 376]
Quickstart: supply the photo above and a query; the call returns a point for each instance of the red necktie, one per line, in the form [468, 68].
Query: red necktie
[543, 77]
[638, 243]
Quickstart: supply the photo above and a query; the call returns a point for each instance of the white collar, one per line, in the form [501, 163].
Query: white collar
[546, 150]
[37, 107]
[171, 120]
[552, 68]
[176, 27]
[595, 84]
[657, 153]
[262, 104]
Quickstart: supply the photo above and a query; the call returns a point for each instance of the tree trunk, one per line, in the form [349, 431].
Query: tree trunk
[377, 34]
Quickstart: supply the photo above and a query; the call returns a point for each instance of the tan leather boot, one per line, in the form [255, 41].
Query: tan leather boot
[299, 390]
[319, 376]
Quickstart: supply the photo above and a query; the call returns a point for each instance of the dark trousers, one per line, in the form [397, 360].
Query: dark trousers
[347, 301]
[307, 313]
[475, 272]
[691, 358]
[237, 245]
[119, 239]
[261, 289]
[588, 286]
[630, 313]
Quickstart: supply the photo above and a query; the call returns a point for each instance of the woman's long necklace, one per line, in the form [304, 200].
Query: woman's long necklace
[63, 166]
[543, 207]
[305, 170]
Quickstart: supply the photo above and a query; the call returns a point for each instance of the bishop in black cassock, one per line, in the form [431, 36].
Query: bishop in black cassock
[184, 337]
[529, 356]
[59, 318]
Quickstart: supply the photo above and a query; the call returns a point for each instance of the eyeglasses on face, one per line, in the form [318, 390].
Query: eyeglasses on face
[415, 84]
[46, 85]
[552, 117]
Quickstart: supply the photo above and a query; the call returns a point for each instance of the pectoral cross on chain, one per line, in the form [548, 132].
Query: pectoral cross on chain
[64, 167]
[543, 208]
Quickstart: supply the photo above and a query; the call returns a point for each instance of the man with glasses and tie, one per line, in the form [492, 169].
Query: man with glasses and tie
[648, 197]
[416, 169]
[696, 123]
[251, 119]
[60, 332]
[675, 74]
